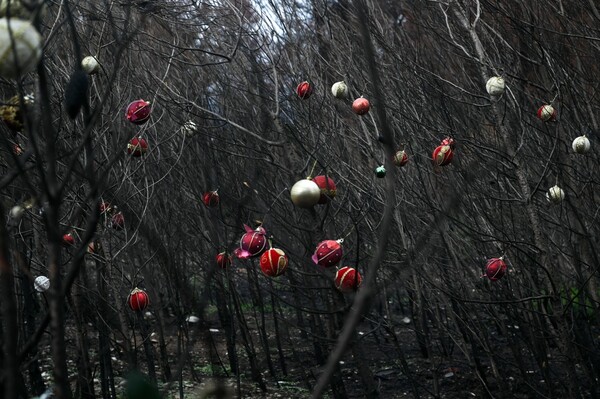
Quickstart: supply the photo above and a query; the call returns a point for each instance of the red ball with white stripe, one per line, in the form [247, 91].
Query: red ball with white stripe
[442, 155]
[138, 112]
[252, 244]
[273, 262]
[347, 279]
[138, 300]
[68, 240]
[400, 158]
[495, 269]
[328, 253]
[547, 113]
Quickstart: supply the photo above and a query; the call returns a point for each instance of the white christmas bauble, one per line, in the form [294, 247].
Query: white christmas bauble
[339, 90]
[555, 195]
[16, 212]
[90, 65]
[495, 86]
[305, 193]
[189, 128]
[192, 319]
[581, 145]
[28, 48]
[41, 283]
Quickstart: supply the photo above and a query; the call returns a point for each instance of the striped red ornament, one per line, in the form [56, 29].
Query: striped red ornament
[328, 253]
[138, 112]
[211, 199]
[347, 279]
[118, 221]
[223, 260]
[442, 155]
[495, 269]
[547, 113]
[138, 300]
[273, 262]
[400, 158]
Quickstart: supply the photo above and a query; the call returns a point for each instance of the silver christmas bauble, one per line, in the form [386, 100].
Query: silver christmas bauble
[90, 65]
[305, 193]
[339, 90]
[41, 283]
[555, 195]
[581, 145]
[27, 51]
[495, 86]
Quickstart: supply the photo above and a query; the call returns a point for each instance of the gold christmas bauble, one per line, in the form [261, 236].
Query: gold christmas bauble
[305, 193]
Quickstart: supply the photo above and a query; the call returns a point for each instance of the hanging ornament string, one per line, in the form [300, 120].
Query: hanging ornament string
[309, 177]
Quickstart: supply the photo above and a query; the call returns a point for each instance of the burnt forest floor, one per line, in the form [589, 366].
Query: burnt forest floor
[454, 378]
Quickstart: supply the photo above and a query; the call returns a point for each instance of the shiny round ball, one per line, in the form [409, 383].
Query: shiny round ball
[304, 90]
[442, 155]
[138, 300]
[305, 193]
[400, 158]
[223, 260]
[90, 65]
[273, 262]
[347, 279]
[495, 269]
[41, 283]
[495, 86]
[211, 199]
[339, 90]
[137, 147]
[361, 106]
[547, 113]
[555, 195]
[68, 240]
[380, 172]
[138, 112]
[327, 187]
[328, 253]
[581, 145]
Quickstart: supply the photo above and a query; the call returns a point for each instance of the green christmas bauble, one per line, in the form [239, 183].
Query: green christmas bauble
[380, 172]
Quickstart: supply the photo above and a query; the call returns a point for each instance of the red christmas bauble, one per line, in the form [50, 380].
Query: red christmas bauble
[448, 141]
[17, 149]
[347, 279]
[118, 221]
[252, 244]
[442, 155]
[91, 248]
[138, 112]
[138, 300]
[68, 240]
[547, 113]
[211, 199]
[223, 260]
[361, 106]
[104, 207]
[328, 253]
[400, 158]
[304, 90]
[137, 147]
[495, 269]
[273, 262]
[328, 188]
